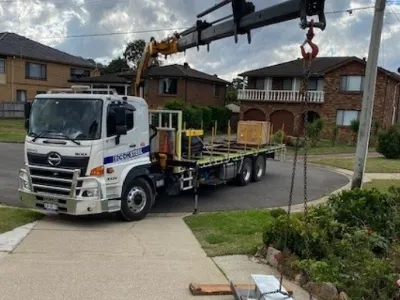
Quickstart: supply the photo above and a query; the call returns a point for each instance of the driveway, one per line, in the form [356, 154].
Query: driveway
[272, 191]
[93, 258]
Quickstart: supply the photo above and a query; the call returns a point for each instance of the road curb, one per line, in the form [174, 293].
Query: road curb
[11, 239]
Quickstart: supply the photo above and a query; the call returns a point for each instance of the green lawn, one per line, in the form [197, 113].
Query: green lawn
[12, 130]
[374, 164]
[227, 233]
[382, 184]
[11, 218]
[325, 147]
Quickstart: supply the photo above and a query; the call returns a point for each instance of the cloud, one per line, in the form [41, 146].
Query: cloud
[346, 34]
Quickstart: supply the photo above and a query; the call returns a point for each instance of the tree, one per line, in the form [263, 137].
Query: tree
[134, 51]
[238, 83]
[116, 65]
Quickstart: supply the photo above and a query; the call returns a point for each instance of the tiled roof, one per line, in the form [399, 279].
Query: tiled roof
[295, 67]
[176, 70]
[319, 66]
[13, 44]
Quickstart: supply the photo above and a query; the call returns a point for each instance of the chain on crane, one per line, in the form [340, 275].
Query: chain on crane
[308, 58]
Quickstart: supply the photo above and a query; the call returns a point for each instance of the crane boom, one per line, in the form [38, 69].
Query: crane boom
[244, 19]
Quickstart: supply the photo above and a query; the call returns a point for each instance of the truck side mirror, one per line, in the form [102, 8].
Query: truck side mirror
[120, 121]
[27, 113]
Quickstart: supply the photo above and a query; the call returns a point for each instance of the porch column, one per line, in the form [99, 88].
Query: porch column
[126, 90]
[108, 89]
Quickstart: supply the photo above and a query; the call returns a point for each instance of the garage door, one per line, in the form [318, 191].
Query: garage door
[254, 114]
[280, 117]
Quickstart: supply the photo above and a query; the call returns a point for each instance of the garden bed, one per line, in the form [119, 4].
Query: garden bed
[350, 244]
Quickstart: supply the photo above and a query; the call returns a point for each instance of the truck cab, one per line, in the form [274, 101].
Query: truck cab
[84, 150]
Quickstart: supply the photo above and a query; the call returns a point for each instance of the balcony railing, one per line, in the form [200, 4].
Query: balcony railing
[280, 96]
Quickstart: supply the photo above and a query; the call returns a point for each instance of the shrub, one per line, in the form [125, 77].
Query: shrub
[291, 141]
[222, 115]
[207, 117]
[314, 130]
[389, 142]
[279, 136]
[334, 136]
[354, 126]
[366, 208]
[277, 212]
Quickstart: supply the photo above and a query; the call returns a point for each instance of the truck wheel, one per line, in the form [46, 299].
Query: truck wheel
[136, 200]
[259, 168]
[244, 176]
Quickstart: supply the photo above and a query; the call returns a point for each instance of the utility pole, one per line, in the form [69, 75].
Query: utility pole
[369, 95]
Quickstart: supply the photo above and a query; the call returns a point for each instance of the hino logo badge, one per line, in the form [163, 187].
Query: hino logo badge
[54, 159]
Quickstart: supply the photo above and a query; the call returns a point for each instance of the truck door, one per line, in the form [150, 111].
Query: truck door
[117, 156]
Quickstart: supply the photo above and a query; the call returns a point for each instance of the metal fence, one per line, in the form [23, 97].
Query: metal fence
[11, 110]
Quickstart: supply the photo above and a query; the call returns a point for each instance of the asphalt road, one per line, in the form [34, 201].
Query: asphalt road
[272, 191]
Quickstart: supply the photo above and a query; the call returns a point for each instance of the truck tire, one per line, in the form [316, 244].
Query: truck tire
[136, 201]
[244, 177]
[258, 168]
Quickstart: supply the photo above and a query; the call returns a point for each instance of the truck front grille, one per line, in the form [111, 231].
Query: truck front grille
[56, 180]
[51, 180]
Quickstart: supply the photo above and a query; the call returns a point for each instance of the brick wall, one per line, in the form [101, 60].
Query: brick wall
[336, 99]
[195, 92]
[57, 77]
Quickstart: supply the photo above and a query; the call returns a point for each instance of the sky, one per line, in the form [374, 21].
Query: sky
[56, 22]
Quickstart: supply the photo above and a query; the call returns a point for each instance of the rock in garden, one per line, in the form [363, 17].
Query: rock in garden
[343, 296]
[328, 291]
[262, 252]
[312, 287]
[272, 256]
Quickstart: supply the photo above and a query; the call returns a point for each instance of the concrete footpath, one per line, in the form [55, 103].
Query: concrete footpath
[70, 258]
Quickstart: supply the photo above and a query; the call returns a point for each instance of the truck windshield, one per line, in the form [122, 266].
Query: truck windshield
[78, 119]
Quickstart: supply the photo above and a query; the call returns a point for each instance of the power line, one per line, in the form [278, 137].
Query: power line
[113, 33]
[397, 17]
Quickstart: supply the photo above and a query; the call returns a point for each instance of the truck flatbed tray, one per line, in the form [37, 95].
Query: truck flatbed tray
[223, 152]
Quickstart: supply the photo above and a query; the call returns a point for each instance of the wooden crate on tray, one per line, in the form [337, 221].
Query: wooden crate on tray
[253, 133]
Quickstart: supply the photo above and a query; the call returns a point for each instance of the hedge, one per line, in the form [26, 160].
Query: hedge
[193, 115]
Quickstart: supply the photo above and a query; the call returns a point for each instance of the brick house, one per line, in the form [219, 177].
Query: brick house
[335, 94]
[166, 82]
[28, 68]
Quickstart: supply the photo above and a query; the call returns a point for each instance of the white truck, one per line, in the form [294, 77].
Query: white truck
[88, 153]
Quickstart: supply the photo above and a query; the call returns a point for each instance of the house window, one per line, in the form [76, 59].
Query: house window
[344, 117]
[352, 83]
[21, 95]
[216, 90]
[2, 66]
[35, 71]
[76, 73]
[168, 86]
[260, 84]
[287, 84]
[313, 84]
